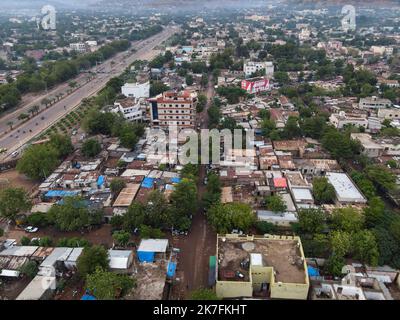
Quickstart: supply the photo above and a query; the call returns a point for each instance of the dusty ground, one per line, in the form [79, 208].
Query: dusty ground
[98, 236]
[12, 178]
[11, 288]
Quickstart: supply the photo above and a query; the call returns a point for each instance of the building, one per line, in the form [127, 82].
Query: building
[341, 119]
[251, 67]
[137, 90]
[389, 113]
[120, 260]
[255, 85]
[370, 148]
[132, 109]
[264, 267]
[80, 47]
[374, 103]
[150, 248]
[281, 219]
[346, 191]
[174, 108]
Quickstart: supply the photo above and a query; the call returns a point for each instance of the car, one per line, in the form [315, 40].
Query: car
[31, 229]
[74, 132]
[239, 274]
[14, 154]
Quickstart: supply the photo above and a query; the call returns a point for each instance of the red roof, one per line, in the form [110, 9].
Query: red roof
[280, 183]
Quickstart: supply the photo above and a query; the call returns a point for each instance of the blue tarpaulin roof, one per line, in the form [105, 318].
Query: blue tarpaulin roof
[100, 181]
[312, 272]
[61, 193]
[171, 269]
[175, 180]
[148, 183]
[145, 256]
[88, 297]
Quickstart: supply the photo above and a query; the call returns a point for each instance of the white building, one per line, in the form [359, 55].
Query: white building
[339, 120]
[345, 189]
[251, 67]
[131, 109]
[79, 47]
[137, 90]
[374, 103]
[389, 113]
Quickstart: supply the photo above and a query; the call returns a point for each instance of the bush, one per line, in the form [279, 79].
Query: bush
[25, 241]
[38, 219]
[265, 227]
[30, 269]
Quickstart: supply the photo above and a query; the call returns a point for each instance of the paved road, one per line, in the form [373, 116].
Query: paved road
[18, 137]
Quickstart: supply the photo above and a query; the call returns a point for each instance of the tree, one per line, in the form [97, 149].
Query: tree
[311, 221]
[340, 243]
[225, 217]
[335, 264]
[10, 124]
[92, 258]
[381, 177]
[190, 171]
[323, 191]
[25, 241]
[30, 269]
[157, 212]
[347, 219]
[107, 285]
[184, 203]
[73, 242]
[264, 227]
[134, 217]
[365, 247]
[91, 148]
[203, 294]
[1, 232]
[13, 201]
[62, 144]
[275, 203]
[121, 238]
[189, 80]
[374, 212]
[38, 161]
[38, 219]
[116, 185]
[201, 103]
[73, 215]
[147, 232]
[213, 194]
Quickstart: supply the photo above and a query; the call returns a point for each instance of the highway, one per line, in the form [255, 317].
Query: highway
[18, 137]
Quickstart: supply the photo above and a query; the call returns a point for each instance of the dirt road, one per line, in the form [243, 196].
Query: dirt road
[200, 243]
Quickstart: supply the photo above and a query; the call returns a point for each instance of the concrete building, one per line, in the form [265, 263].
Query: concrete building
[137, 90]
[251, 67]
[369, 147]
[389, 113]
[173, 108]
[263, 267]
[341, 119]
[132, 109]
[374, 103]
[346, 191]
[79, 47]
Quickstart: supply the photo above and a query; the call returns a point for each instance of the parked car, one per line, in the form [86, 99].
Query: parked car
[31, 229]
[239, 274]
[14, 154]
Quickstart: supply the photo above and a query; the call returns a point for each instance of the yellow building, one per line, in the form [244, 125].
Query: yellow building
[261, 267]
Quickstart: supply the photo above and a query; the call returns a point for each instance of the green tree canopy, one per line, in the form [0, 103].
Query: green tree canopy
[347, 219]
[203, 294]
[91, 148]
[13, 201]
[38, 161]
[92, 258]
[225, 217]
[323, 191]
[106, 285]
[275, 203]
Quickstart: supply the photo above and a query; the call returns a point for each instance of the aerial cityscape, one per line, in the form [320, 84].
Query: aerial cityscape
[184, 150]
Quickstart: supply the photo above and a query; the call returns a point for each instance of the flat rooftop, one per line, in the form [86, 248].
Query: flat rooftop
[283, 254]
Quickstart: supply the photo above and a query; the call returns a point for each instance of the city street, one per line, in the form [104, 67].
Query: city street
[18, 137]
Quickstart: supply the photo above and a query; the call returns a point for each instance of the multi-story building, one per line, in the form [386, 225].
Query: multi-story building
[374, 103]
[79, 47]
[251, 67]
[261, 266]
[389, 113]
[173, 108]
[341, 119]
[132, 109]
[137, 90]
